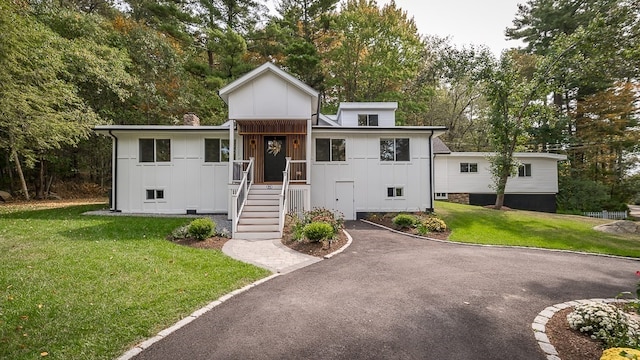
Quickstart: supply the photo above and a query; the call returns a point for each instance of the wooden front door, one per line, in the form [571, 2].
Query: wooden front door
[275, 150]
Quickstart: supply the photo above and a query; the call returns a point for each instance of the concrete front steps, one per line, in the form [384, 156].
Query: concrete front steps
[260, 216]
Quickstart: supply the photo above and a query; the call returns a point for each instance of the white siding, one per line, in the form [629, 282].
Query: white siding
[371, 176]
[188, 182]
[386, 117]
[269, 97]
[449, 179]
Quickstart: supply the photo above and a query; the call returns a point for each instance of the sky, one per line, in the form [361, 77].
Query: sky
[478, 22]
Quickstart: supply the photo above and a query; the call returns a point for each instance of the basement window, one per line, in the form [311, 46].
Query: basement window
[441, 196]
[395, 192]
[155, 194]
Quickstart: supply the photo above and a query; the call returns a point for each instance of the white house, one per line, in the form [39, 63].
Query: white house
[465, 177]
[276, 154]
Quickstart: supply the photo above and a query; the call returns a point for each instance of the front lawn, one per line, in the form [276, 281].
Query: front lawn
[479, 225]
[90, 287]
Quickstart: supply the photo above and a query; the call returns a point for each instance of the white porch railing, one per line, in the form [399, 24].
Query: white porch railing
[283, 203]
[240, 195]
[298, 171]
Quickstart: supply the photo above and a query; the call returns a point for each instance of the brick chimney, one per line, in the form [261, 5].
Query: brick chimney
[190, 119]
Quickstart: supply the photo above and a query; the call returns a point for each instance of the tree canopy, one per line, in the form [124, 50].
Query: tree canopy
[68, 65]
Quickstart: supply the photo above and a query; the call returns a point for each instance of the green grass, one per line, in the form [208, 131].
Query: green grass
[473, 224]
[90, 287]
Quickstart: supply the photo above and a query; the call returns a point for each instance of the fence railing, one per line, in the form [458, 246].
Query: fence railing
[283, 207]
[240, 195]
[609, 215]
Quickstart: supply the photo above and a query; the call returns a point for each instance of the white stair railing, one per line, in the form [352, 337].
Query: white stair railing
[240, 195]
[284, 197]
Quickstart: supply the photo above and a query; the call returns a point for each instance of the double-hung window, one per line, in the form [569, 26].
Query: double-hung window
[367, 119]
[154, 150]
[331, 150]
[216, 150]
[394, 149]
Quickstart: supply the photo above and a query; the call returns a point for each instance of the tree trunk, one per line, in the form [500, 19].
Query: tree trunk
[501, 186]
[23, 183]
[41, 181]
[210, 57]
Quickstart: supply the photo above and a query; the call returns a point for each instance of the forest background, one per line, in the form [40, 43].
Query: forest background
[68, 65]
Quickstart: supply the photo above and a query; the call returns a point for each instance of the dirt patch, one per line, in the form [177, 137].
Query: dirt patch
[571, 344]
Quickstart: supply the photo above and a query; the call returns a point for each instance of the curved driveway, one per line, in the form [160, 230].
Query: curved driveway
[390, 296]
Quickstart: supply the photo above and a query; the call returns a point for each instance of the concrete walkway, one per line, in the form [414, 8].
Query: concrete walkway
[268, 254]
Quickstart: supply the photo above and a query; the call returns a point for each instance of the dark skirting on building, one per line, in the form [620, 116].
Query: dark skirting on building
[534, 202]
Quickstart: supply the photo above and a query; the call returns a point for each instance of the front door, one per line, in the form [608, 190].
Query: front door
[274, 158]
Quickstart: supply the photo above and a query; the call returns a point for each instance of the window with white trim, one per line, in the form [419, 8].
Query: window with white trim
[331, 150]
[394, 149]
[154, 150]
[524, 170]
[395, 191]
[468, 167]
[367, 119]
[155, 194]
[216, 150]
[441, 196]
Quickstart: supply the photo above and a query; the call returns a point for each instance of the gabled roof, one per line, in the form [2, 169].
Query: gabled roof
[259, 71]
[439, 147]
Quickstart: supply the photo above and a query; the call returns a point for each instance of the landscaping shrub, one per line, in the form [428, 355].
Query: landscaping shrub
[318, 231]
[294, 226]
[201, 228]
[431, 224]
[607, 323]
[180, 233]
[326, 216]
[403, 221]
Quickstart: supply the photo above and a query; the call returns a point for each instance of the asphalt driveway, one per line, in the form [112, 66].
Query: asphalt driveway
[390, 296]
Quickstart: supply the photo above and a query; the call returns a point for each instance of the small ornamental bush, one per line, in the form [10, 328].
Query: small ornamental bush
[324, 215]
[607, 323]
[431, 224]
[295, 227]
[201, 228]
[180, 233]
[318, 231]
[404, 221]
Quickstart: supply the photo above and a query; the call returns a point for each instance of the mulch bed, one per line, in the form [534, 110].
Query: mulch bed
[215, 242]
[387, 222]
[571, 344]
[316, 248]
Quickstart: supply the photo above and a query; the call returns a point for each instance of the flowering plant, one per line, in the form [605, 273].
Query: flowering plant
[607, 323]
